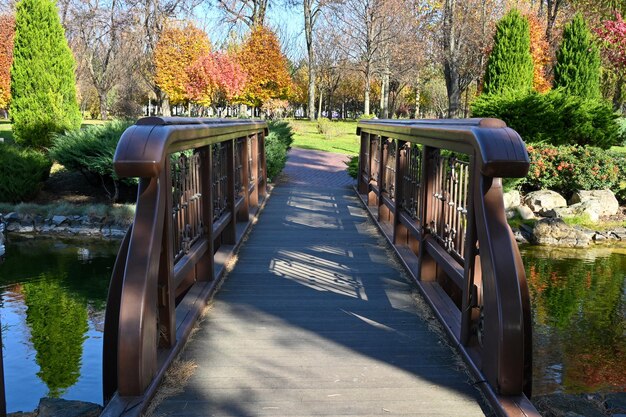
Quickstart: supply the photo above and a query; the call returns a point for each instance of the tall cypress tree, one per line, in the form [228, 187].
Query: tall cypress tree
[510, 65]
[43, 84]
[577, 69]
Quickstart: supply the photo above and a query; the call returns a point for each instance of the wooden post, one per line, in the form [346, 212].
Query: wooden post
[167, 294]
[362, 179]
[229, 235]
[254, 148]
[244, 212]
[399, 232]
[205, 267]
[263, 164]
[382, 164]
[3, 403]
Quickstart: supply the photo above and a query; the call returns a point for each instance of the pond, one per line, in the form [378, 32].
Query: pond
[53, 294]
[52, 300]
[579, 318]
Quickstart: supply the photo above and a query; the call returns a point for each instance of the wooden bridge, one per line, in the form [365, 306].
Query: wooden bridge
[319, 316]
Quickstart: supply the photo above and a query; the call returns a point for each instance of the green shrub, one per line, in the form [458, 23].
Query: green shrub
[577, 69]
[43, 85]
[283, 130]
[555, 117]
[275, 155]
[565, 169]
[353, 166]
[324, 126]
[90, 151]
[510, 65]
[22, 173]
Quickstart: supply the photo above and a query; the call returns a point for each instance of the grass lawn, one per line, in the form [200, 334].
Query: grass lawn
[5, 131]
[340, 138]
[620, 149]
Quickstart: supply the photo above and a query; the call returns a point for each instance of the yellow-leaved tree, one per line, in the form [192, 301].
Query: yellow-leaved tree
[265, 66]
[179, 47]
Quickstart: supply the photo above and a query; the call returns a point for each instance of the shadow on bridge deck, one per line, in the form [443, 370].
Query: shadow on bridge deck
[316, 319]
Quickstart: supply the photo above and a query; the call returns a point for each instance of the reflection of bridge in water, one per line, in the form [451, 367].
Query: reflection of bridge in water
[317, 317]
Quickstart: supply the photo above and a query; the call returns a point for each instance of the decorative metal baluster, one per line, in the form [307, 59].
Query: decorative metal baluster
[238, 168]
[250, 156]
[375, 160]
[390, 169]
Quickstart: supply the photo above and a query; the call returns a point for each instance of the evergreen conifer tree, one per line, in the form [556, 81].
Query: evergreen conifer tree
[43, 85]
[577, 69]
[510, 65]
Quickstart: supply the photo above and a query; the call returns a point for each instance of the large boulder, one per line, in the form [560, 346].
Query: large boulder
[555, 232]
[544, 200]
[590, 209]
[512, 199]
[604, 200]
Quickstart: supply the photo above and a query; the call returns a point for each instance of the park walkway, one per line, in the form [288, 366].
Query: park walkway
[316, 319]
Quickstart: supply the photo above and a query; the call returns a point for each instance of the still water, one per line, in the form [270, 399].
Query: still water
[52, 300]
[579, 318]
[53, 294]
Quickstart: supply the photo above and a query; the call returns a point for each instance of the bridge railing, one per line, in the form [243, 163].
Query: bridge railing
[201, 182]
[434, 187]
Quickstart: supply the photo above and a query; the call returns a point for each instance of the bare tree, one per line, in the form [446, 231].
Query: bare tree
[464, 43]
[105, 45]
[249, 12]
[367, 26]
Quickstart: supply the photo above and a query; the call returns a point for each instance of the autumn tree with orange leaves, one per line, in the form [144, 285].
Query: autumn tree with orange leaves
[177, 50]
[540, 52]
[215, 77]
[7, 30]
[265, 66]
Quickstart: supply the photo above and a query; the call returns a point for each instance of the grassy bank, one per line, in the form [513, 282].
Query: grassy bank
[337, 136]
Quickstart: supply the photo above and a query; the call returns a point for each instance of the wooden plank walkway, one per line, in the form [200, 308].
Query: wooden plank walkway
[317, 319]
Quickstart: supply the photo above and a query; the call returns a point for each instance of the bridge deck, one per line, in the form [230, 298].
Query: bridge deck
[317, 319]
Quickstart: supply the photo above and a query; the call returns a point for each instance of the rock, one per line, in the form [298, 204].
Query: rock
[606, 201]
[589, 208]
[12, 217]
[599, 237]
[544, 200]
[556, 232]
[525, 213]
[562, 405]
[55, 407]
[616, 402]
[519, 236]
[58, 220]
[510, 213]
[21, 414]
[511, 199]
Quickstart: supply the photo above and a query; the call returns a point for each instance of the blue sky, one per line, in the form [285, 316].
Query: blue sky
[288, 22]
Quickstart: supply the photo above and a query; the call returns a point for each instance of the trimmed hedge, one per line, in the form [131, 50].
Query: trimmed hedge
[90, 151]
[566, 169]
[555, 117]
[277, 142]
[22, 173]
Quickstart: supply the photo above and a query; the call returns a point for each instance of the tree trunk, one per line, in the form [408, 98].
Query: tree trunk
[102, 96]
[366, 104]
[308, 32]
[450, 69]
[165, 107]
[454, 92]
[319, 111]
[384, 108]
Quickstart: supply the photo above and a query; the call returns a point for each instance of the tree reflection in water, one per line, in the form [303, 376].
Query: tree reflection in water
[579, 307]
[58, 325]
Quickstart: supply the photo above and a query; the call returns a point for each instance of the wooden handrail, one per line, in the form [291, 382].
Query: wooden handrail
[434, 188]
[194, 203]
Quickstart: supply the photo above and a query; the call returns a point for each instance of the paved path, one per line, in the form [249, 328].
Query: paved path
[316, 320]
